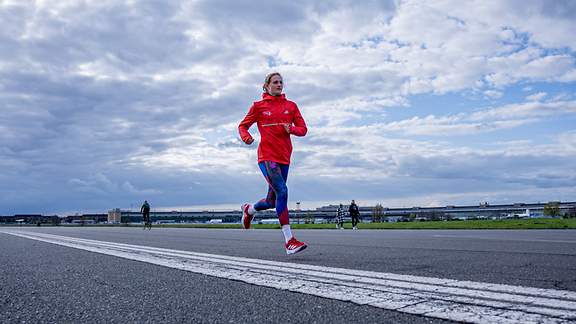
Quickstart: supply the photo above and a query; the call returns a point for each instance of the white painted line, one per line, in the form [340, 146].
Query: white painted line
[466, 301]
[467, 237]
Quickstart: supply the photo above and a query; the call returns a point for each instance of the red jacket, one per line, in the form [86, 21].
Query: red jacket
[270, 114]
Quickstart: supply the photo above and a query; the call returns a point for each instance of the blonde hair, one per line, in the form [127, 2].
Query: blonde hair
[267, 80]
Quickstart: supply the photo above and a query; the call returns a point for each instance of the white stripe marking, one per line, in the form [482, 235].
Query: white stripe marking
[467, 301]
[502, 239]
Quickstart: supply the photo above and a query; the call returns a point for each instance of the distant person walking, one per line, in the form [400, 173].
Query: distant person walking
[340, 217]
[277, 119]
[145, 210]
[354, 214]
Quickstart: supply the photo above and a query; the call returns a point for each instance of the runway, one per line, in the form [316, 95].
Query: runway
[477, 270]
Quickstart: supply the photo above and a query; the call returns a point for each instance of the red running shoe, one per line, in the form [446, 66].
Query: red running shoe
[295, 246]
[246, 218]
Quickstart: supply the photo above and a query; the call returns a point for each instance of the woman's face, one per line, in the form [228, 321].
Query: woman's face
[275, 86]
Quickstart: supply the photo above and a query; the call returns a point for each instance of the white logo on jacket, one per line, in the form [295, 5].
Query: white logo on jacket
[267, 113]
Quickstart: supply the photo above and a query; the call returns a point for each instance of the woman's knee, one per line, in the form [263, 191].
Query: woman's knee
[272, 203]
[282, 192]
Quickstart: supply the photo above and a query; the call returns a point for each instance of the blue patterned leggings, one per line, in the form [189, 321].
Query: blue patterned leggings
[276, 175]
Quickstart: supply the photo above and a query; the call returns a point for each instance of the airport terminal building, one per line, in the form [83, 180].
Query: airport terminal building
[324, 214]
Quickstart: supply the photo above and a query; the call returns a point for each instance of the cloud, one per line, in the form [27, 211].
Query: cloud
[493, 94]
[531, 109]
[481, 121]
[537, 96]
[105, 103]
[100, 184]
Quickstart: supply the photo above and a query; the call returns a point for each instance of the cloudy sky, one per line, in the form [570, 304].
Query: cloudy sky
[106, 103]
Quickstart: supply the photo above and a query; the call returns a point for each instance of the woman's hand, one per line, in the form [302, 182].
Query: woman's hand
[287, 128]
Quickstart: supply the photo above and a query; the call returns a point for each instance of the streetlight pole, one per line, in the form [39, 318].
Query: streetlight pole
[298, 212]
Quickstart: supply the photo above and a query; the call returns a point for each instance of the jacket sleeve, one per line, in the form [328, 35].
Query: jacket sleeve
[299, 127]
[246, 123]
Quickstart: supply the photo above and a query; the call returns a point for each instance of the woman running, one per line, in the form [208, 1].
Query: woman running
[277, 118]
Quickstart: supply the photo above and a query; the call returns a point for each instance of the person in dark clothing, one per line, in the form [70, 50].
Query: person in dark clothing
[354, 214]
[340, 217]
[145, 210]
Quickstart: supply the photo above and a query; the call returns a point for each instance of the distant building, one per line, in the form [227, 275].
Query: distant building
[322, 214]
[30, 219]
[114, 216]
[86, 219]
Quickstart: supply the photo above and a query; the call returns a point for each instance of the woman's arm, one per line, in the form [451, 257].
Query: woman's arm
[245, 126]
[299, 127]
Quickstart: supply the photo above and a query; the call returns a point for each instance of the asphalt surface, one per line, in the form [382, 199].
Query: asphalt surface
[45, 283]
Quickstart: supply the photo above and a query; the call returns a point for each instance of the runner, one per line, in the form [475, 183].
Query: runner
[145, 210]
[277, 118]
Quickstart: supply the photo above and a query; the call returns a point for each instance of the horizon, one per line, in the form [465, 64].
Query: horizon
[223, 209]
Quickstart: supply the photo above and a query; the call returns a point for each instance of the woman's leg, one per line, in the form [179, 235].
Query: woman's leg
[276, 175]
[268, 202]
